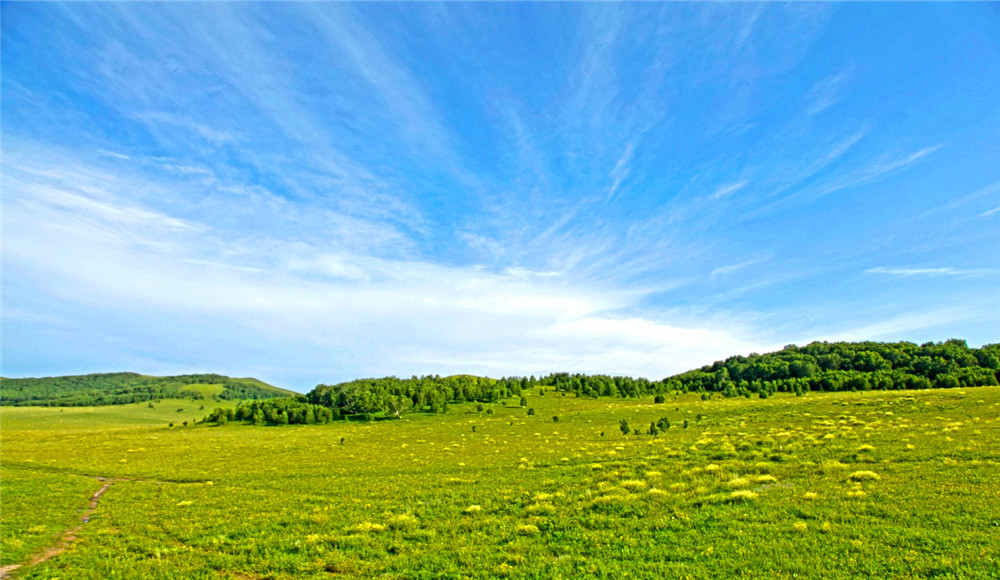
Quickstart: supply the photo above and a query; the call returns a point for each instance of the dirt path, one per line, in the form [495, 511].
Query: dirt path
[68, 536]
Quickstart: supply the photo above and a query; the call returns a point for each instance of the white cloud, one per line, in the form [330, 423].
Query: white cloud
[730, 268]
[728, 189]
[621, 169]
[826, 93]
[875, 170]
[369, 314]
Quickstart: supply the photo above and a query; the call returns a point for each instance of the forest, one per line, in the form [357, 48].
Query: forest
[818, 366]
[847, 366]
[124, 388]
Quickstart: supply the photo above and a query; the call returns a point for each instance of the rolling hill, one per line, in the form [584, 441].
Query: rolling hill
[123, 388]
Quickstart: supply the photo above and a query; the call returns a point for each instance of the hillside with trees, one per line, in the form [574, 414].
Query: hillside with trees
[123, 388]
[848, 366]
[818, 366]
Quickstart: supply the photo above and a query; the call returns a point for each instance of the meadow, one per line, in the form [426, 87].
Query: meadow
[883, 484]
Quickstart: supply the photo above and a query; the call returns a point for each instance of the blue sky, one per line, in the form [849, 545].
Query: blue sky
[317, 192]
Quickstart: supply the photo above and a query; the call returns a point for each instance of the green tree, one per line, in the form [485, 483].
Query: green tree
[623, 425]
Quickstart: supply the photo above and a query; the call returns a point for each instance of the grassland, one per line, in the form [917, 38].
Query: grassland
[828, 485]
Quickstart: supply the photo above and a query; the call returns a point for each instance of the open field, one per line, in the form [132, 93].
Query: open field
[873, 484]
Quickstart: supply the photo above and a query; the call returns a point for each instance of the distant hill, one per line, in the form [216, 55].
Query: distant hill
[123, 388]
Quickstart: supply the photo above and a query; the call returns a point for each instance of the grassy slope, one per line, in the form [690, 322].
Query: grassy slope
[555, 498]
[266, 386]
[206, 390]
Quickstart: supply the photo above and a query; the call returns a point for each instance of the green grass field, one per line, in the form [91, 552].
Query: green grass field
[874, 484]
[206, 390]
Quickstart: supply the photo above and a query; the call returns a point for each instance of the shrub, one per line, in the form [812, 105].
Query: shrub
[635, 484]
[541, 509]
[864, 476]
[742, 496]
[366, 528]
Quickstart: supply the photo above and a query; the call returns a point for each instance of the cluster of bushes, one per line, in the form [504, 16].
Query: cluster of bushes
[393, 396]
[286, 411]
[388, 397]
[122, 388]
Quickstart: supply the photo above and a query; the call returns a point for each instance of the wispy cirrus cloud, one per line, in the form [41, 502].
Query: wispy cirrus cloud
[728, 189]
[826, 92]
[731, 268]
[370, 310]
[621, 169]
[876, 170]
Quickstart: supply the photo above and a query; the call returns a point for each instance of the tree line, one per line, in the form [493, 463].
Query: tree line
[284, 411]
[847, 366]
[387, 397]
[818, 366]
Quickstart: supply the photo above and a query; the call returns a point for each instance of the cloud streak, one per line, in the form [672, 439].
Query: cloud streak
[728, 189]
